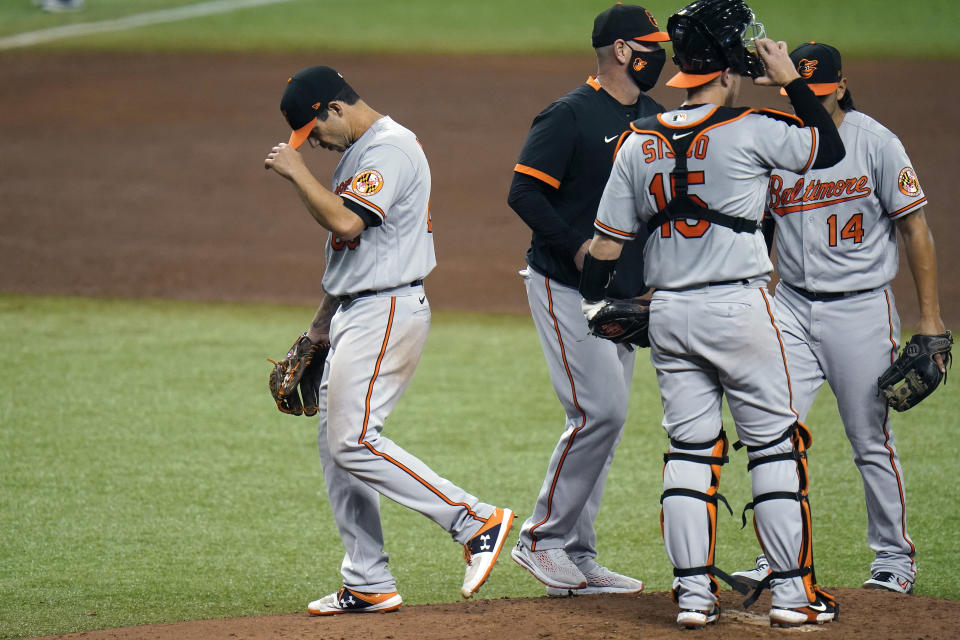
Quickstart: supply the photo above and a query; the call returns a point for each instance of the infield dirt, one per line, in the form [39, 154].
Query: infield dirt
[142, 176]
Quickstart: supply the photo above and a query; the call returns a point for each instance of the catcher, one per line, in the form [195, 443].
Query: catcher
[363, 346]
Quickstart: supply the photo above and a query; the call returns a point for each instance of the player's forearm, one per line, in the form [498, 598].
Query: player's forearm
[604, 247]
[326, 207]
[598, 266]
[527, 199]
[319, 331]
[808, 108]
[921, 256]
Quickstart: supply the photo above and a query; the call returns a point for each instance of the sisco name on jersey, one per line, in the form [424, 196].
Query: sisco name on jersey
[803, 196]
[657, 149]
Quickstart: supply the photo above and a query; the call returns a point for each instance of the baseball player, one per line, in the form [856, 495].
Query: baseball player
[836, 237]
[696, 178]
[375, 316]
[556, 187]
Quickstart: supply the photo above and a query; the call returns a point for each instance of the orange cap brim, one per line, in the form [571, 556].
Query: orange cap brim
[818, 89]
[656, 36]
[689, 80]
[299, 136]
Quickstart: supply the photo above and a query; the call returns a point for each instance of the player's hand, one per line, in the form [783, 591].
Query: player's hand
[776, 59]
[581, 255]
[933, 327]
[284, 159]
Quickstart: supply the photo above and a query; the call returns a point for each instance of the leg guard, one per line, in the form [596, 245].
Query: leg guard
[688, 518]
[782, 518]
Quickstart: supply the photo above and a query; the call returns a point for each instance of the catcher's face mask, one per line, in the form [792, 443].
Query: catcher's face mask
[752, 32]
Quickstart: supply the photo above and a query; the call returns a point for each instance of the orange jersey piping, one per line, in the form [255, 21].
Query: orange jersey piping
[573, 435]
[686, 125]
[365, 203]
[693, 143]
[783, 114]
[813, 150]
[614, 232]
[366, 419]
[886, 438]
[912, 205]
[539, 175]
[783, 351]
[623, 138]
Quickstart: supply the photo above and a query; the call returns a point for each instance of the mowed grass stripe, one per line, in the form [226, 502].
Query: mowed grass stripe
[162, 16]
[541, 27]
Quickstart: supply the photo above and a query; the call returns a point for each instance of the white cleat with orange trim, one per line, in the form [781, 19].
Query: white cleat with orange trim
[349, 601]
[482, 550]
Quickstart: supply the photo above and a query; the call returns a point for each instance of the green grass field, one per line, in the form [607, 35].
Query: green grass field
[866, 28]
[147, 476]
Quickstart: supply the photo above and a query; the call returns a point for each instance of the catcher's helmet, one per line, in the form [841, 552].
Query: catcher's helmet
[711, 35]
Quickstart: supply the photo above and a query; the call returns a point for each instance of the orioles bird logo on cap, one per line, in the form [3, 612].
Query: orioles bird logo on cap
[806, 68]
[653, 20]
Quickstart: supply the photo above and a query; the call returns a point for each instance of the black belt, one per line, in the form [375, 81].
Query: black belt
[347, 299]
[826, 295]
[716, 283]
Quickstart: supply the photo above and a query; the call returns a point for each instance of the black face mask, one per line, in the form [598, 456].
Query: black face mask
[645, 67]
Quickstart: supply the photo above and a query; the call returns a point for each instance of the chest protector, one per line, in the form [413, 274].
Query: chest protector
[682, 206]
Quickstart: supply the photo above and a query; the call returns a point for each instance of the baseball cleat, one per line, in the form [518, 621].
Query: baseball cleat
[753, 577]
[693, 619]
[823, 609]
[552, 567]
[482, 550]
[600, 580]
[349, 601]
[888, 581]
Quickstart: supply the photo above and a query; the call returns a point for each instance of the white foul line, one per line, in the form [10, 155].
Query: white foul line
[29, 38]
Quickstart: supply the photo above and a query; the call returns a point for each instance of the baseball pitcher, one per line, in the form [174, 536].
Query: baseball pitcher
[375, 318]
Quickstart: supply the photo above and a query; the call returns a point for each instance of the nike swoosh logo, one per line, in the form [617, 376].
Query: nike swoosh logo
[677, 136]
[422, 298]
[821, 607]
[610, 139]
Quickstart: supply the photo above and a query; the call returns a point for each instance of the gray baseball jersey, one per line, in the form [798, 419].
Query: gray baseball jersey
[836, 235]
[835, 228]
[375, 344]
[729, 166]
[385, 174]
[712, 334]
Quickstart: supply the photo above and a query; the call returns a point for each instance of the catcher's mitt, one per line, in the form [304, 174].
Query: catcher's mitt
[622, 321]
[914, 374]
[302, 368]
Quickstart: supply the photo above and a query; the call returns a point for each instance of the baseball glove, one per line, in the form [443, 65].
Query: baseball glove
[622, 321]
[914, 374]
[295, 380]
